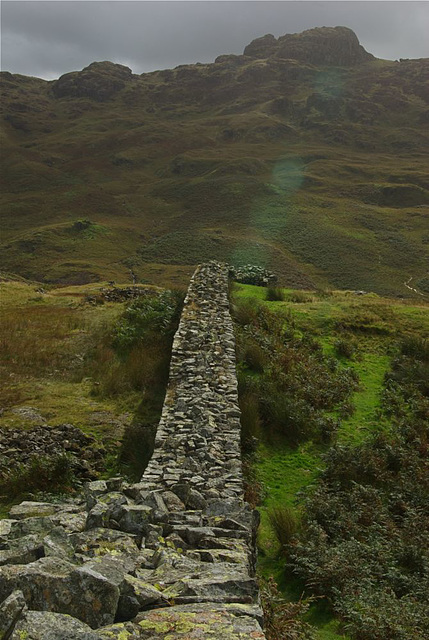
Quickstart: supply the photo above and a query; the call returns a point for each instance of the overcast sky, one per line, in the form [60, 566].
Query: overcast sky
[49, 38]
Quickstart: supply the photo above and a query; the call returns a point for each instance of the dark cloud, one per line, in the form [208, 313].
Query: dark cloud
[47, 39]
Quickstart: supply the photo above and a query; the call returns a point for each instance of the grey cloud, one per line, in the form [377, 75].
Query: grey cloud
[48, 39]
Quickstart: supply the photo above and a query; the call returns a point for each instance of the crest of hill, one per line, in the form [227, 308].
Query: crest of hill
[337, 46]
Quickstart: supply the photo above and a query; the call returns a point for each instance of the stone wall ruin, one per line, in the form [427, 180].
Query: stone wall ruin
[171, 556]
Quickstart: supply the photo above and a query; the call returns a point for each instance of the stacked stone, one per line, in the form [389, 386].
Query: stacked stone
[198, 437]
[253, 274]
[169, 557]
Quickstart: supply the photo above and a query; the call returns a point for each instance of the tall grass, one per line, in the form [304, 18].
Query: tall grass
[284, 524]
[274, 294]
[38, 337]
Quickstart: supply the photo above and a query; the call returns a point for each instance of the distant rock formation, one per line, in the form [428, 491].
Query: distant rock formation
[322, 46]
[100, 80]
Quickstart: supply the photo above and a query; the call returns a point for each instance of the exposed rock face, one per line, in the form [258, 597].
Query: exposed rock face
[99, 81]
[321, 46]
[262, 47]
[172, 554]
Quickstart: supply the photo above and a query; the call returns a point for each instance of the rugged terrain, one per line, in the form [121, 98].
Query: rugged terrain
[305, 155]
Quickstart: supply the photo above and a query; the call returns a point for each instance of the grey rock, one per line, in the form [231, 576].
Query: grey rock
[195, 500]
[99, 542]
[10, 612]
[172, 501]
[59, 586]
[135, 518]
[57, 543]
[137, 595]
[22, 550]
[29, 509]
[93, 490]
[200, 623]
[37, 625]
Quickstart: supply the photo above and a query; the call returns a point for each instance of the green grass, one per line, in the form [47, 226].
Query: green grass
[285, 472]
[371, 370]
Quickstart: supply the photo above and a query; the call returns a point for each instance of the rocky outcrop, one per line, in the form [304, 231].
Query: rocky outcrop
[20, 448]
[170, 556]
[337, 46]
[99, 81]
[253, 274]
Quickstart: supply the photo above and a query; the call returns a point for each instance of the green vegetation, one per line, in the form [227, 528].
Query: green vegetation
[72, 357]
[379, 416]
[52, 474]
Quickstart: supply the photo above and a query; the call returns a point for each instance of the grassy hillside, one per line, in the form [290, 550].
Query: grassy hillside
[317, 172]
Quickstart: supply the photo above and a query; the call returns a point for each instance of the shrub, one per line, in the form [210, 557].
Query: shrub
[245, 313]
[292, 379]
[147, 315]
[283, 620]
[253, 492]
[345, 348]
[287, 415]
[274, 294]
[50, 474]
[364, 544]
[415, 347]
[250, 421]
[254, 356]
[284, 524]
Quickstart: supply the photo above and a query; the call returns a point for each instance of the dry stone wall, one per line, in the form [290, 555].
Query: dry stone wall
[171, 556]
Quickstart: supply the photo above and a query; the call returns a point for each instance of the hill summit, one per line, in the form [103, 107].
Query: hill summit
[337, 46]
[305, 155]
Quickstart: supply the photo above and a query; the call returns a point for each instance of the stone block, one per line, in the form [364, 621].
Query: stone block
[29, 509]
[56, 585]
[135, 518]
[10, 612]
[46, 625]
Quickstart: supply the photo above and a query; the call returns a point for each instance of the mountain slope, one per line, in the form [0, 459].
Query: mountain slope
[305, 154]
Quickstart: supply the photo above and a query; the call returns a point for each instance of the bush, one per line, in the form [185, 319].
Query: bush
[250, 421]
[253, 491]
[298, 297]
[283, 620]
[148, 315]
[415, 347]
[291, 379]
[50, 474]
[364, 544]
[245, 313]
[284, 524]
[345, 348]
[254, 356]
[274, 294]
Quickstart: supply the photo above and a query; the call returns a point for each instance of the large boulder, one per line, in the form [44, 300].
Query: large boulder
[53, 584]
[35, 625]
[10, 612]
